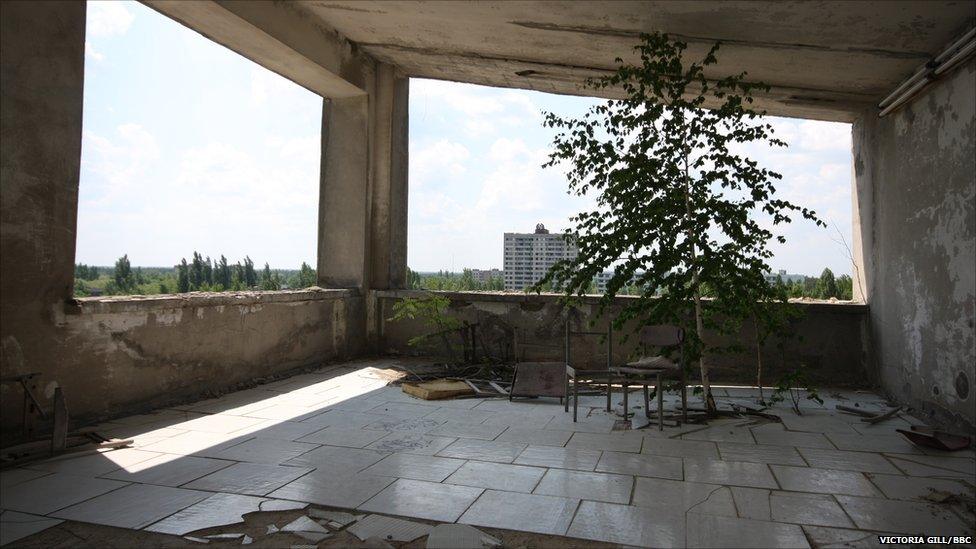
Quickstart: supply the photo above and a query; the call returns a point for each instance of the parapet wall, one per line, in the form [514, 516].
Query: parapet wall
[830, 337]
[121, 355]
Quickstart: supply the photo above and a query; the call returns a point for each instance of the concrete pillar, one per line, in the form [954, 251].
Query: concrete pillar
[42, 63]
[344, 194]
[388, 213]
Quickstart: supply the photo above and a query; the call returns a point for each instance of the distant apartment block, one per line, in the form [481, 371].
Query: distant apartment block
[528, 256]
[484, 275]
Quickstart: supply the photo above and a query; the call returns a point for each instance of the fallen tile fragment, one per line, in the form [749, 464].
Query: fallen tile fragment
[196, 539]
[225, 536]
[343, 519]
[280, 505]
[388, 528]
[460, 536]
[217, 510]
[247, 540]
[307, 528]
[271, 529]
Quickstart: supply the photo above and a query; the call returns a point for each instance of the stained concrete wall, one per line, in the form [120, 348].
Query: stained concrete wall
[915, 174]
[120, 355]
[829, 339]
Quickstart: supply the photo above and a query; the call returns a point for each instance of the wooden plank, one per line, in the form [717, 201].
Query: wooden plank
[437, 389]
[882, 417]
[856, 411]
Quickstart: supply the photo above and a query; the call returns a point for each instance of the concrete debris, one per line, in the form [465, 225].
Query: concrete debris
[307, 528]
[225, 536]
[376, 542]
[460, 536]
[196, 539]
[271, 529]
[389, 529]
[247, 540]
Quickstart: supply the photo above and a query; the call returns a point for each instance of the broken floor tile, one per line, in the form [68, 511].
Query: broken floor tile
[388, 528]
[460, 536]
[49, 493]
[252, 479]
[627, 525]
[217, 510]
[307, 528]
[919, 488]
[421, 499]
[839, 537]
[336, 489]
[525, 512]
[709, 499]
[133, 506]
[716, 531]
[14, 525]
[343, 519]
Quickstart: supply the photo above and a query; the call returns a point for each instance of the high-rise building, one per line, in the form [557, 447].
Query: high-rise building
[485, 275]
[528, 256]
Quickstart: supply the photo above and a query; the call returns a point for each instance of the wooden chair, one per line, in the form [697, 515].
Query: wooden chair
[655, 367]
[576, 375]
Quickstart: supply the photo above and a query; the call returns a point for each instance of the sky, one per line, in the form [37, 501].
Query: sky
[189, 146]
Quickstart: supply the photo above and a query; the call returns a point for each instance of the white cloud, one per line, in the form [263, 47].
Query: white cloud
[108, 18]
[90, 52]
[438, 159]
[824, 136]
[267, 85]
[122, 159]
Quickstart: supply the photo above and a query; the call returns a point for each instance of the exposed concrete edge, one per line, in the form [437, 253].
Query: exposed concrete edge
[137, 303]
[839, 307]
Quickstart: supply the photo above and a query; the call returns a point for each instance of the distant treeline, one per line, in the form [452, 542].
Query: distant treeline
[200, 274]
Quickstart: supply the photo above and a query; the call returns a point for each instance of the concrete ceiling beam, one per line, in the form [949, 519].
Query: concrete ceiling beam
[280, 38]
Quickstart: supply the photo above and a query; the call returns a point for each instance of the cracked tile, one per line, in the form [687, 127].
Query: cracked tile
[49, 493]
[792, 438]
[562, 458]
[847, 461]
[254, 479]
[606, 487]
[902, 487]
[717, 531]
[15, 526]
[483, 450]
[734, 473]
[415, 467]
[133, 506]
[410, 443]
[759, 453]
[425, 500]
[500, 476]
[823, 481]
[935, 466]
[169, 470]
[326, 487]
[708, 499]
[628, 525]
[216, 510]
[338, 460]
[644, 465]
[522, 512]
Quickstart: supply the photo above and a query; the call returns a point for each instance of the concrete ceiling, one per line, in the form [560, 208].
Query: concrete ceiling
[824, 59]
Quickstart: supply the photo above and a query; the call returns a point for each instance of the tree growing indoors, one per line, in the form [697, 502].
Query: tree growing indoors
[680, 210]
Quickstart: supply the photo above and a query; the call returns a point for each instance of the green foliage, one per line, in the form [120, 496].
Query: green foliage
[431, 310]
[270, 281]
[183, 269]
[85, 272]
[792, 384]
[306, 276]
[679, 208]
[827, 285]
[453, 282]
[124, 280]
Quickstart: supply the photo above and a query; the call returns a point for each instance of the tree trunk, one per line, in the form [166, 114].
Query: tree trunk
[710, 407]
[762, 399]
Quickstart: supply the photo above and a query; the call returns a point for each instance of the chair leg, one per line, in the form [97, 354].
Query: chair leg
[575, 398]
[660, 404]
[626, 409]
[684, 403]
[566, 392]
[609, 392]
[647, 411]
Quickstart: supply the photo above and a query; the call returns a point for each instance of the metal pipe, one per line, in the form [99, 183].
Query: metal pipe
[955, 59]
[949, 57]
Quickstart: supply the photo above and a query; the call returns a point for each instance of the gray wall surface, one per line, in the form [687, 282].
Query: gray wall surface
[915, 174]
[830, 337]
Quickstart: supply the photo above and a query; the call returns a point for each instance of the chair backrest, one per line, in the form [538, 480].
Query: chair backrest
[662, 335]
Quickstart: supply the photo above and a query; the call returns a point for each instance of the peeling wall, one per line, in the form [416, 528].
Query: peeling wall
[915, 173]
[830, 337]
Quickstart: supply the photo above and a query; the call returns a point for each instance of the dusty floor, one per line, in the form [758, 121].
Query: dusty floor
[342, 438]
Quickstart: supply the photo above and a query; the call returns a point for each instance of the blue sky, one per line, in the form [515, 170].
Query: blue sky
[188, 145]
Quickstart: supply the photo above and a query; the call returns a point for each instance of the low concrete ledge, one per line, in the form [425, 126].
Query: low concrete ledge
[137, 303]
[838, 307]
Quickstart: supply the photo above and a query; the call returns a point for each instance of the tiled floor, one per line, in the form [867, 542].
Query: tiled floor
[341, 437]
